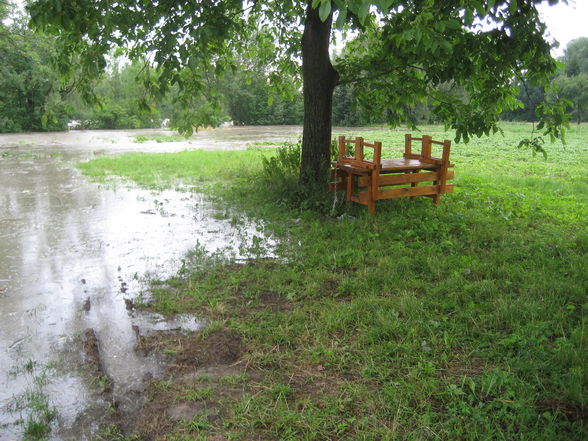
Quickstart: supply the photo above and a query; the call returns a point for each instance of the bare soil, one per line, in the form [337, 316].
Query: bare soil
[197, 363]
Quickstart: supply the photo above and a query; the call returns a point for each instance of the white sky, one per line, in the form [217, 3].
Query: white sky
[565, 22]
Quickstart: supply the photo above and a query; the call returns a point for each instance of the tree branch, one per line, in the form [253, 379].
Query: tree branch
[376, 75]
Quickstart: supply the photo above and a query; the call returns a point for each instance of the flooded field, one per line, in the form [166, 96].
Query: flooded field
[73, 256]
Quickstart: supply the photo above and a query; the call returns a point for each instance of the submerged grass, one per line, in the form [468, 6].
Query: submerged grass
[37, 413]
[460, 321]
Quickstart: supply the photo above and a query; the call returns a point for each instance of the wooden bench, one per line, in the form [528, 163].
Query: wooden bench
[367, 179]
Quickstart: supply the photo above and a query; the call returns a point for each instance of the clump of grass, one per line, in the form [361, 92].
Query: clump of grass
[112, 432]
[235, 379]
[40, 414]
[280, 179]
[196, 394]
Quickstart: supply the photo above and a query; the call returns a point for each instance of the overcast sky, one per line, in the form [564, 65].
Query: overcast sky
[566, 22]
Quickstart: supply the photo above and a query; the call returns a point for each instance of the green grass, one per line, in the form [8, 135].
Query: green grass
[460, 321]
[196, 168]
[37, 412]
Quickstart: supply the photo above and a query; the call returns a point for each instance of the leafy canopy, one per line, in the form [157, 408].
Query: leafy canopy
[462, 55]
[29, 92]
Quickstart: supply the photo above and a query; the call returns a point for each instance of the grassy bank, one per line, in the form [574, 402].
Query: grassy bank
[460, 321]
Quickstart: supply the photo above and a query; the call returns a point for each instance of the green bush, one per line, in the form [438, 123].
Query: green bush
[280, 175]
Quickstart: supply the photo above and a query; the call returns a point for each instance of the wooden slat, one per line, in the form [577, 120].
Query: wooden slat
[359, 148]
[378, 153]
[426, 147]
[407, 144]
[400, 179]
[337, 186]
[361, 198]
[341, 145]
[420, 158]
[411, 191]
[352, 161]
[405, 164]
[408, 178]
[356, 166]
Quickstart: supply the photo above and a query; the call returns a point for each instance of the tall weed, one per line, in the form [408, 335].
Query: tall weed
[280, 177]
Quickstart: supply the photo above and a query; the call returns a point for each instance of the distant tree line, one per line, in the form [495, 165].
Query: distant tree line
[34, 98]
[571, 82]
[30, 98]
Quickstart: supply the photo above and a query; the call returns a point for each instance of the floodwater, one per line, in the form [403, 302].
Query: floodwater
[72, 255]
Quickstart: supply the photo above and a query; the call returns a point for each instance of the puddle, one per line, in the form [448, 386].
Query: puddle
[72, 255]
[148, 323]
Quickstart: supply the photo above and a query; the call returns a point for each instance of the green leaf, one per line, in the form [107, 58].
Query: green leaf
[512, 7]
[363, 12]
[453, 24]
[384, 5]
[341, 18]
[447, 48]
[325, 10]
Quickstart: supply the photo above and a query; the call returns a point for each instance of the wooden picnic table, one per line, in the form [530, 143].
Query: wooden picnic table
[369, 180]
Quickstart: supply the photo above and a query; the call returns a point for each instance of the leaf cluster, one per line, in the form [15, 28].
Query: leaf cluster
[29, 90]
[461, 56]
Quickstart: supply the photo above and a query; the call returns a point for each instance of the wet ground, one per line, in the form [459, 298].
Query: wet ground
[74, 255]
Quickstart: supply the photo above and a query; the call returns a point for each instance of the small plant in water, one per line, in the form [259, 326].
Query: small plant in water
[41, 414]
[103, 382]
[36, 430]
[34, 405]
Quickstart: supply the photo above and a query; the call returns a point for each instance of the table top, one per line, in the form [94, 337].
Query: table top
[406, 164]
[389, 165]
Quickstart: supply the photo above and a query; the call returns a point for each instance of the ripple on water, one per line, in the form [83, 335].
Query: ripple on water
[72, 252]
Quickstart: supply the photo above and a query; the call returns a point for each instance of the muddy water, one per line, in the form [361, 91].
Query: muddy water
[71, 256]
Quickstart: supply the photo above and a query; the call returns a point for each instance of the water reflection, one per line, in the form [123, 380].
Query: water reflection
[72, 252]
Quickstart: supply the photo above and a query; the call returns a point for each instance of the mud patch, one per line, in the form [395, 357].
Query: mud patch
[93, 359]
[190, 352]
[572, 411]
[204, 371]
[274, 302]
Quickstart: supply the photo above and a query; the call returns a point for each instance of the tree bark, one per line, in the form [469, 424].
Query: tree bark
[319, 81]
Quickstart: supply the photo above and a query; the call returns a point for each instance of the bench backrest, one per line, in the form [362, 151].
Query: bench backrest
[358, 159]
[426, 146]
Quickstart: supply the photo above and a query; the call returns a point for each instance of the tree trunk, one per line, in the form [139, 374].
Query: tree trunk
[319, 80]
